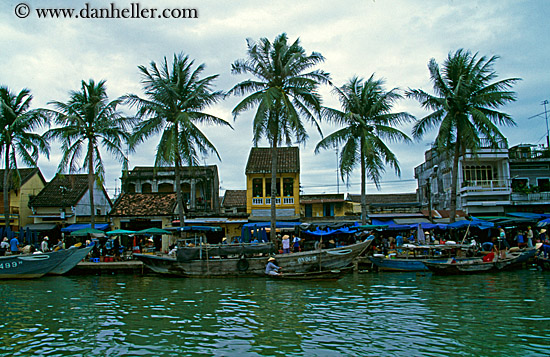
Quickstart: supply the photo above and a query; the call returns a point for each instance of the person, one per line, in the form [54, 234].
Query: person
[173, 250]
[286, 244]
[399, 240]
[520, 240]
[529, 235]
[14, 246]
[296, 244]
[44, 245]
[116, 249]
[502, 242]
[4, 246]
[271, 268]
[427, 237]
[255, 241]
[542, 235]
[224, 240]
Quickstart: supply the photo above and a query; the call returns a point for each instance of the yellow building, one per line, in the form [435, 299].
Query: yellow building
[325, 206]
[27, 183]
[258, 184]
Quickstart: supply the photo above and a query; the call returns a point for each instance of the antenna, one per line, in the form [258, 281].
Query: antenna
[544, 102]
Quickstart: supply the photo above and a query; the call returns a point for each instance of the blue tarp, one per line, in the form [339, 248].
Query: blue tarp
[200, 229]
[476, 222]
[533, 216]
[77, 226]
[318, 232]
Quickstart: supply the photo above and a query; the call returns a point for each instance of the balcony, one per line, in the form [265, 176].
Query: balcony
[257, 201]
[538, 198]
[268, 201]
[288, 200]
[485, 187]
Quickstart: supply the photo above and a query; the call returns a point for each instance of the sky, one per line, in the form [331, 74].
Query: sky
[392, 39]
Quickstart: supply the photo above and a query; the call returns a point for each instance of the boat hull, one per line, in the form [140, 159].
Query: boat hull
[30, 265]
[302, 262]
[71, 261]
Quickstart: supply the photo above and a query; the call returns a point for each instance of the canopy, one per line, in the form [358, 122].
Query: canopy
[86, 231]
[199, 229]
[119, 232]
[78, 226]
[544, 223]
[41, 226]
[372, 226]
[533, 216]
[153, 231]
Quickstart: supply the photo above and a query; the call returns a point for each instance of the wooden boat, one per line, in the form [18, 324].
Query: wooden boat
[77, 254]
[236, 260]
[477, 265]
[27, 266]
[411, 258]
[333, 274]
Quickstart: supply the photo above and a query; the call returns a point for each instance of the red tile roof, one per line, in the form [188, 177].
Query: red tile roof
[259, 160]
[234, 198]
[144, 204]
[62, 191]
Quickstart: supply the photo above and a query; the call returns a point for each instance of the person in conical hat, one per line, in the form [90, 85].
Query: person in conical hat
[271, 268]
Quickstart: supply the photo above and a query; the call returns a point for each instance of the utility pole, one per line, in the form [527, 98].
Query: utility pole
[544, 102]
[337, 178]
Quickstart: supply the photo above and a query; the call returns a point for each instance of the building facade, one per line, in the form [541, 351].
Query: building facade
[258, 184]
[200, 185]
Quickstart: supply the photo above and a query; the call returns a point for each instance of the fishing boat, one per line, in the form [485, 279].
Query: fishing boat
[76, 255]
[247, 259]
[333, 274]
[28, 266]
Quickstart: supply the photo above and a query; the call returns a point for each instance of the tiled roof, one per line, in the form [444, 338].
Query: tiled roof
[62, 191]
[392, 198]
[234, 198]
[24, 175]
[144, 204]
[259, 160]
[322, 198]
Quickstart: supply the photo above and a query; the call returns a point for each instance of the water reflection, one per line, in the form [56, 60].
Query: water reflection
[363, 314]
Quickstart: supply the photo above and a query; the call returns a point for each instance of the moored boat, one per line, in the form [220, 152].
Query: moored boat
[236, 260]
[27, 266]
[333, 274]
[75, 256]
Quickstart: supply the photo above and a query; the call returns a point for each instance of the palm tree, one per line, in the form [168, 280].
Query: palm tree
[17, 138]
[367, 121]
[87, 122]
[176, 98]
[465, 108]
[283, 92]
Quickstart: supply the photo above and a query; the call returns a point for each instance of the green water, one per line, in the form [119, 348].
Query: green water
[373, 314]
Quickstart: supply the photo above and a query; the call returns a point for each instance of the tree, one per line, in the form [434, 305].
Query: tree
[368, 121]
[464, 107]
[17, 137]
[176, 98]
[283, 93]
[86, 123]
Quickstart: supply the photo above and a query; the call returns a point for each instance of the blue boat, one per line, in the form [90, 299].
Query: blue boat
[75, 256]
[26, 266]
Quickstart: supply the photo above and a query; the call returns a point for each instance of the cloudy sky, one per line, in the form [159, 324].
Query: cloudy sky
[393, 39]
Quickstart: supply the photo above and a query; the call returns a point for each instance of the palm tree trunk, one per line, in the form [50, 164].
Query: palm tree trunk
[272, 233]
[177, 173]
[363, 187]
[179, 196]
[6, 188]
[91, 182]
[454, 182]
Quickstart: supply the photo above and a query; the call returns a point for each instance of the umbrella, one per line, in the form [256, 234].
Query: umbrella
[544, 223]
[86, 231]
[153, 231]
[119, 231]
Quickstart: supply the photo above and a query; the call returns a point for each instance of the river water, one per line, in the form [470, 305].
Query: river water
[368, 314]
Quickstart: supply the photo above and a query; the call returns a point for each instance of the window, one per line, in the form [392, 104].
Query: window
[131, 188]
[477, 175]
[309, 210]
[268, 188]
[257, 188]
[543, 184]
[328, 209]
[166, 187]
[288, 186]
[520, 184]
[146, 188]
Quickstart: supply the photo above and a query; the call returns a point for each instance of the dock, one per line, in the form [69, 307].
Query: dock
[124, 267]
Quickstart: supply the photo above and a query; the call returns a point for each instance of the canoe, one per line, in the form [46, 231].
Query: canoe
[201, 264]
[71, 261]
[334, 274]
[26, 266]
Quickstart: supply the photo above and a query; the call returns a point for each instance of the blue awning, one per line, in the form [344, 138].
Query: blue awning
[533, 216]
[199, 229]
[77, 226]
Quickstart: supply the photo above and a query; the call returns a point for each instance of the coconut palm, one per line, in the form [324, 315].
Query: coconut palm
[86, 123]
[284, 92]
[464, 107]
[367, 121]
[17, 123]
[176, 99]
